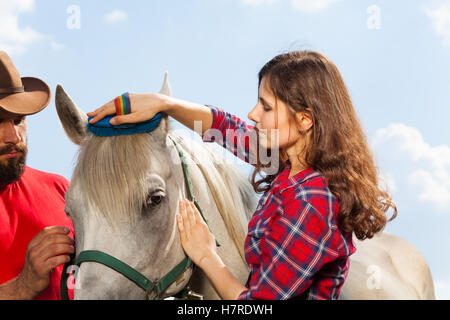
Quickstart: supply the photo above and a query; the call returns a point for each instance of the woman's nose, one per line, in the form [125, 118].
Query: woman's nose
[253, 116]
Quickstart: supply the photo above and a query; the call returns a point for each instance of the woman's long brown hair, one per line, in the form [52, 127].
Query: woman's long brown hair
[308, 81]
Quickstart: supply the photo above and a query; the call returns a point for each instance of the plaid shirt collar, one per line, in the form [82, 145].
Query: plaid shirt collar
[283, 182]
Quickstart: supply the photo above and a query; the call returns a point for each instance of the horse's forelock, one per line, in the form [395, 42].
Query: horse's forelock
[113, 172]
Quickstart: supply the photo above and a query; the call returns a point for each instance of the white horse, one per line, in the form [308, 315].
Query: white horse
[124, 196]
[387, 267]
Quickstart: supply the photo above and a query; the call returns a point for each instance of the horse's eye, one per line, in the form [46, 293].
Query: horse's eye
[155, 199]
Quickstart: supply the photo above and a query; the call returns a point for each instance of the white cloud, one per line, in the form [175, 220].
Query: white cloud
[14, 39]
[387, 181]
[116, 16]
[435, 188]
[22, 5]
[439, 13]
[422, 167]
[312, 6]
[442, 290]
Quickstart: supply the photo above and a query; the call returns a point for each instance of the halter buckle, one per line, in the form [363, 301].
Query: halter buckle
[191, 295]
[152, 290]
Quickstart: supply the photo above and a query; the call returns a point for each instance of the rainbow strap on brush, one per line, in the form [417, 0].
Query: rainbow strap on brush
[123, 105]
[104, 128]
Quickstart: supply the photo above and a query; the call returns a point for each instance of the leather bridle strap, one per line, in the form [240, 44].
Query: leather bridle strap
[117, 265]
[132, 274]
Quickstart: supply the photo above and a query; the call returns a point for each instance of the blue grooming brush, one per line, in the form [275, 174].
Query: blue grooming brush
[105, 129]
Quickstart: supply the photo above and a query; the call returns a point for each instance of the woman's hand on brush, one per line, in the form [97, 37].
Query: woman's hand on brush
[143, 107]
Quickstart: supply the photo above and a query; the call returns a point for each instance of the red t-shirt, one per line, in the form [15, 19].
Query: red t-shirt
[33, 203]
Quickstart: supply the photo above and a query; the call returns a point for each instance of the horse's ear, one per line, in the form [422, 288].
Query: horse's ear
[166, 89]
[73, 119]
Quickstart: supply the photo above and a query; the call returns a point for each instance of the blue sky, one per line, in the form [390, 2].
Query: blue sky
[393, 55]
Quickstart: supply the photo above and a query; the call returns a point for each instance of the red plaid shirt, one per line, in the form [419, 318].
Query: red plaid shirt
[294, 248]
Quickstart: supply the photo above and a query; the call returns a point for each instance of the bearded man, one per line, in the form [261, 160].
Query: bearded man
[35, 233]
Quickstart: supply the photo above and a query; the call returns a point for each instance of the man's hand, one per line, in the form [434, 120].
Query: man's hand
[48, 250]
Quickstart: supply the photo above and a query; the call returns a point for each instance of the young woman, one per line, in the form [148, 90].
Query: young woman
[325, 189]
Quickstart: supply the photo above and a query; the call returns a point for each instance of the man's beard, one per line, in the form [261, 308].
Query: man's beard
[12, 169]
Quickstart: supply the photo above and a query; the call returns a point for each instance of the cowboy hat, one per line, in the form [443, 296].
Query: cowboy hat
[20, 96]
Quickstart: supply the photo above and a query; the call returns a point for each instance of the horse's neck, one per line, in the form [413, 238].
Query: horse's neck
[220, 202]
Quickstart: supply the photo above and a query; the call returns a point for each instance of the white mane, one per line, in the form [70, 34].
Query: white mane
[233, 194]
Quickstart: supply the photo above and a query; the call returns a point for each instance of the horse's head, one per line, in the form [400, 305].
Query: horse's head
[122, 200]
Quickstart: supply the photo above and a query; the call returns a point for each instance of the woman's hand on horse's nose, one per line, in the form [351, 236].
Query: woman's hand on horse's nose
[196, 239]
[143, 107]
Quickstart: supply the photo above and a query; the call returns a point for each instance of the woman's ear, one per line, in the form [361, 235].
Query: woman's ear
[304, 120]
